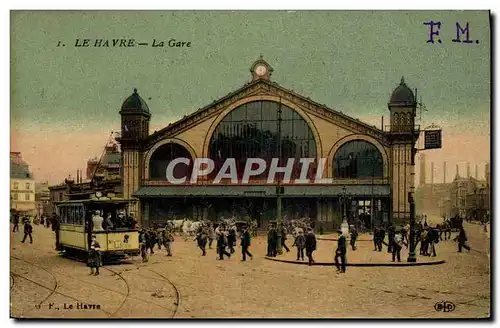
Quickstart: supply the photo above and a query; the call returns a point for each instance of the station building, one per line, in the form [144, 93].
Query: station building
[370, 169]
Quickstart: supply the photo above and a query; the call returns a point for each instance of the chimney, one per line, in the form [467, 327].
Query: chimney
[477, 176]
[468, 170]
[444, 172]
[457, 175]
[77, 176]
[422, 170]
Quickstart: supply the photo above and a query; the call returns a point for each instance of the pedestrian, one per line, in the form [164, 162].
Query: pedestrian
[310, 245]
[47, 222]
[55, 229]
[354, 235]
[391, 233]
[151, 240]
[168, 239]
[143, 245]
[340, 253]
[201, 238]
[245, 243]
[300, 243]
[380, 239]
[211, 235]
[375, 238]
[16, 222]
[272, 239]
[283, 239]
[221, 246]
[397, 244]
[94, 259]
[423, 242]
[231, 239]
[28, 230]
[462, 240]
[432, 240]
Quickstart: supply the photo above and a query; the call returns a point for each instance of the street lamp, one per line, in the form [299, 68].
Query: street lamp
[412, 257]
[279, 190]
[344, 196]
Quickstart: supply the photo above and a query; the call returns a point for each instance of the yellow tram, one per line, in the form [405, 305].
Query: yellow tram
[76, 228]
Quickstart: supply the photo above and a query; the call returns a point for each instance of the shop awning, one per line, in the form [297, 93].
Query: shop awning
[262, 191]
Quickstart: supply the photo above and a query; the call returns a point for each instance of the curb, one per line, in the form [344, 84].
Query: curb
[395, 264]
[336, 239]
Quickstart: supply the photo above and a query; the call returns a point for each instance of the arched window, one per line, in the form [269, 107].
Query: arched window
[396, 119]
[251, 131]
[358, 159]
[163, 156]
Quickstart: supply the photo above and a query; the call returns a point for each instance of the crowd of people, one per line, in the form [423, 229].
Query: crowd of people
[226, 235]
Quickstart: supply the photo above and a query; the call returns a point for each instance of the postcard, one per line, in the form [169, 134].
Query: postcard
[250, 164]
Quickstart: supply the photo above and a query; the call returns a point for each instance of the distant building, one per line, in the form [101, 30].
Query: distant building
[467, 195]
[22, 186]
[101, 175]
[108, 168]
[430, 197]
[477, 203]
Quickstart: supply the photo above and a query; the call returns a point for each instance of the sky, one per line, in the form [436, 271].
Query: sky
[65, 99]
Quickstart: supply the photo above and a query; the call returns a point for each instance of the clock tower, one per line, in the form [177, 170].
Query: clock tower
[135, 117]
[261, 70]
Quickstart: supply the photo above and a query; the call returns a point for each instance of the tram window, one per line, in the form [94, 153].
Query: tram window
[62, 211]
[81, 216]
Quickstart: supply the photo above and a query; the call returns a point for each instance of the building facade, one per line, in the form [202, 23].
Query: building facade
[368, 171]
[22, 186]
[42, 199]
[107, 167]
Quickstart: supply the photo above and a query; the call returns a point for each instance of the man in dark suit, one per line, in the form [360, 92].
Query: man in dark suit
[462, 239]
[55, 228]
[310, 245]
[245, 243]
[16, 222]
[341, 253]
[28, 230]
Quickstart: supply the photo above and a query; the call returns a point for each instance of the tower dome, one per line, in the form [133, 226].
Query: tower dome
[135, 104]
[402, 94]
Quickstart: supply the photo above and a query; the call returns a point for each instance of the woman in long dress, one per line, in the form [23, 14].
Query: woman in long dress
[94, 260]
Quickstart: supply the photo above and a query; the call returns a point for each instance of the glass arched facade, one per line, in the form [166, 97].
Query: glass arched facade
[163, 156]
[251, 131]
[358, 159]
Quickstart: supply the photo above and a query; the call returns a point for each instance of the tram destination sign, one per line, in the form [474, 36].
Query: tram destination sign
[432, 139]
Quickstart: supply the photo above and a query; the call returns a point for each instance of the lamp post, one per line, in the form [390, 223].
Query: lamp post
[412, 257]
[344, 196]
[278, 188]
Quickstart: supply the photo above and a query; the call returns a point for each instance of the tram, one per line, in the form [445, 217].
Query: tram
[76, 228]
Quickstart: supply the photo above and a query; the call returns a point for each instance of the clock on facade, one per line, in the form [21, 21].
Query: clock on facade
[261, 70]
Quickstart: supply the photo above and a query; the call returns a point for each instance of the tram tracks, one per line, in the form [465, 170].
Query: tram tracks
[52, 291]
[126, 284]
[177, 292]
[114, 272]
